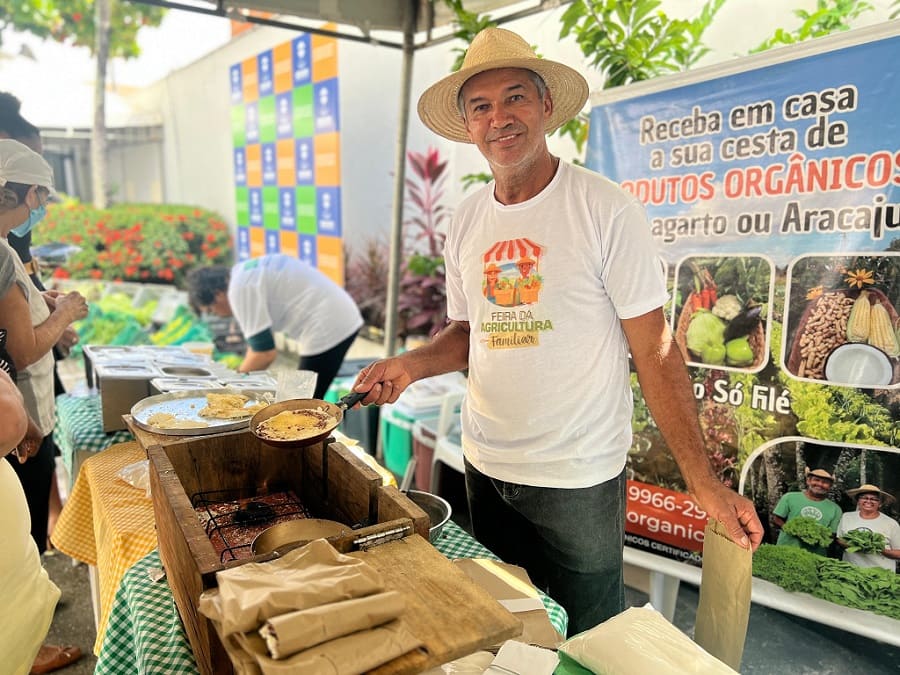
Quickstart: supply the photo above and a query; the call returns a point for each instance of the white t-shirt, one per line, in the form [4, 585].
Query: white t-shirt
[27, 596]
[543, 285]
[281, 293]
[883, 524]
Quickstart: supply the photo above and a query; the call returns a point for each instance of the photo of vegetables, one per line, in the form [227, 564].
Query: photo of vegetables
[842, 321]
[869, 588]
[780, 467]
[721, 311]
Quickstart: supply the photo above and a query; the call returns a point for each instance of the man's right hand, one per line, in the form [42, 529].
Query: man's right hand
[384, 380]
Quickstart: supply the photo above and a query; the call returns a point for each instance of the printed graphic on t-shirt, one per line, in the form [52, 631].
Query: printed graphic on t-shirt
[812, 512]
[512, 281]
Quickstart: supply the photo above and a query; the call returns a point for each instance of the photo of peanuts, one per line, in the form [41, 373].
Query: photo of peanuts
[825, 329]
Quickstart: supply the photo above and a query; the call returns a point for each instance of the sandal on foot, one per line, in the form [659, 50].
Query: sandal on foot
[54, 657]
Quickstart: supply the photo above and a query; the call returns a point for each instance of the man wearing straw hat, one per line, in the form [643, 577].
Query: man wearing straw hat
[869, 500]
[545, 464]
[812, 503]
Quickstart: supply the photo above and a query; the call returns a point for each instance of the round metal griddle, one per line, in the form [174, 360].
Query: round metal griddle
[295, 531]
[186, 405]
[334, 410]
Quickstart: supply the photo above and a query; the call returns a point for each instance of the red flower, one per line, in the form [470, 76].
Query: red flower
[60, 273]
[95, 274]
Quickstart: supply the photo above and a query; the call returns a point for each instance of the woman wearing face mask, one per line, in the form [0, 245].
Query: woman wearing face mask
[33, 321]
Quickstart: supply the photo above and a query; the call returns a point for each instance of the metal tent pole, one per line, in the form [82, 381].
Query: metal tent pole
[393, 289]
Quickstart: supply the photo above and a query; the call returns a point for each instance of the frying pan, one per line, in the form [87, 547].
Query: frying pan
[295, 531]
[334, 410]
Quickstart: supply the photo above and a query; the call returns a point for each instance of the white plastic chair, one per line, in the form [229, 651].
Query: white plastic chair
[447, 452]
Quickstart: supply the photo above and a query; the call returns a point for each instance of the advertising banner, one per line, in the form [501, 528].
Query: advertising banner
[286, 134]
[772, 186]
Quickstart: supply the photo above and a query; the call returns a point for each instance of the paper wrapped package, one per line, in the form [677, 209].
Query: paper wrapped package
[352, 654]
[640, 640]
[320, 610]
[313, 575]
[295, 631]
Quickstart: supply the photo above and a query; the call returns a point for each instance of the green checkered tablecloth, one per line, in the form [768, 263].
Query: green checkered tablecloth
[79, 428]
[144, 635]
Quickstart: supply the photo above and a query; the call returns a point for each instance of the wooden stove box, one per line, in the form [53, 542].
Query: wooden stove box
[449, 613]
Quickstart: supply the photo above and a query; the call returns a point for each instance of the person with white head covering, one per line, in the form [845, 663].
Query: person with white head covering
[545, 467]
[868, 517]
[33, 323]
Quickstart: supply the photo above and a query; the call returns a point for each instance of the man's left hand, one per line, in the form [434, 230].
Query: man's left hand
[734, 511]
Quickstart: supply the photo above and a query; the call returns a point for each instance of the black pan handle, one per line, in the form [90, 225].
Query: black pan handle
[351, 400]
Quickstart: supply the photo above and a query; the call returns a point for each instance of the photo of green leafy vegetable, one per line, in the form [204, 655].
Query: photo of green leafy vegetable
[808, 531]
[864, 541]
[869, 588]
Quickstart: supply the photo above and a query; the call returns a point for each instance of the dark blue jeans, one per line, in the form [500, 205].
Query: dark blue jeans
[568, 540]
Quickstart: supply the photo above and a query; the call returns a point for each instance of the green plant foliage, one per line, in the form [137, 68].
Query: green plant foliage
[869, 588]
[468, 25]
[72, 22]
[874, 589]
[864, 541]
[136, 242]
[839, 414]
[422, 303]
[896, 12]
[633, 40]
[830, 16]
[808, 531]
[792, 568]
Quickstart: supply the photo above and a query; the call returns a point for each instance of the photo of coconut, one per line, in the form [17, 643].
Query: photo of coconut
[842, 320]
[721, 310]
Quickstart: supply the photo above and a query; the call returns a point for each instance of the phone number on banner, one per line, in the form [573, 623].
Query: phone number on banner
[664, 515]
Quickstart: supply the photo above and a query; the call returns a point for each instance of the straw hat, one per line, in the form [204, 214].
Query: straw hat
[20, 164]
[869, 488]
[821, 473]
[500, 48]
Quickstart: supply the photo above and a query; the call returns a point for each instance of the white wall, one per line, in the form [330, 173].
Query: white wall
[195, 107]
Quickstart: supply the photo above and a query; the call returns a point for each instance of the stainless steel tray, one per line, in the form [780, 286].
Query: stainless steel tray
[186, 405]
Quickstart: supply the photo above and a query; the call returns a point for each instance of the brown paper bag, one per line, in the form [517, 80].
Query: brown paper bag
[509, 584]
[293, 632]
[309, 576]
[724, 608]
[352, 654]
